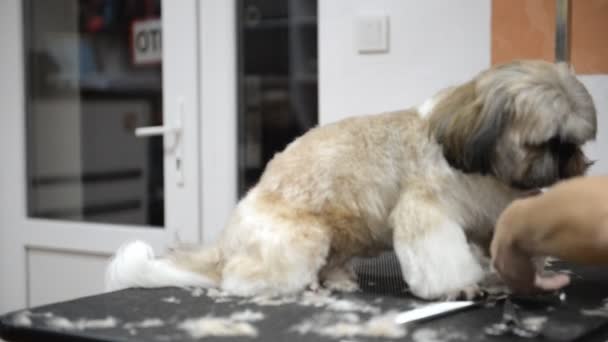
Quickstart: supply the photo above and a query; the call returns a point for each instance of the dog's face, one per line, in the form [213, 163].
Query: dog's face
[523, 122]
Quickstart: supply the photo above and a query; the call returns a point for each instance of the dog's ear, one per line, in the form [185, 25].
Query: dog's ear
[468, 125]
[480, 148]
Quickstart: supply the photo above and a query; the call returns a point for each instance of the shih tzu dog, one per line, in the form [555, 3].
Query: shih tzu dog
[428, 183]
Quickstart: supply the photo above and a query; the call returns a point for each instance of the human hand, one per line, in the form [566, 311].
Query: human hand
[570, 221]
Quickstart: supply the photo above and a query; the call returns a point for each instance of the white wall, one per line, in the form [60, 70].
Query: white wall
[9, 173]
[432, 44]
[598, 150]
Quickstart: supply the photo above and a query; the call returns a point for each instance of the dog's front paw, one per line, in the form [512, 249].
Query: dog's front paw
[438, 263]
[446, 292]
[467, 293]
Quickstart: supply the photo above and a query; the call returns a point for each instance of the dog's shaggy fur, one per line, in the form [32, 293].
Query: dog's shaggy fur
[427, 183]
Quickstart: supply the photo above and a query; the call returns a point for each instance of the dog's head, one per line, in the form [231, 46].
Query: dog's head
[522, 122]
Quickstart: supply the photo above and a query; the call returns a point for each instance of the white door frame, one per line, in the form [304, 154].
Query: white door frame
[218, 102]
[195, 44]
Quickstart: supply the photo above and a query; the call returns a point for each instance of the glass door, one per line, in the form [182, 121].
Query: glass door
[277, 76]
[94, 74]
[101, 128]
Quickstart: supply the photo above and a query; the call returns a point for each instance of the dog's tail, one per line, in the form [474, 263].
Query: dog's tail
[134, 265]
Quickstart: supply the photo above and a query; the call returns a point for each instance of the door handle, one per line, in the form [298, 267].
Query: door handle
[150, 131]
[176, 128]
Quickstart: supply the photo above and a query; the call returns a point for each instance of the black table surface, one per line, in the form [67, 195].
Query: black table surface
[576, 318]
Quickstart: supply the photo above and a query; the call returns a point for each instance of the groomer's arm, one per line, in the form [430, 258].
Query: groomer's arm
[570, 222]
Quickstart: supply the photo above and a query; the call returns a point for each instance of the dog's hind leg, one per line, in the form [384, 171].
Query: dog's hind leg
[432, 249]
[283, 256]
[339, 277]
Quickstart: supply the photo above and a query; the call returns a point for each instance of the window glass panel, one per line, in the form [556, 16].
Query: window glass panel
[93, 76]
[277, 79]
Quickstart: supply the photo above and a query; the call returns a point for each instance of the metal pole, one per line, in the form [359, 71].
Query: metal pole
[562, 23]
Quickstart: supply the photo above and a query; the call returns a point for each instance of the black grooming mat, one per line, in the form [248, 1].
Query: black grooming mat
[381, 275]
[121, 316]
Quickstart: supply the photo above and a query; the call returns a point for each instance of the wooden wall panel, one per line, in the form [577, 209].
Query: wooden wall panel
[526, 29]
[589, 36]
[523, 29]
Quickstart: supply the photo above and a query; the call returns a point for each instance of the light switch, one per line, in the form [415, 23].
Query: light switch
[371, 33]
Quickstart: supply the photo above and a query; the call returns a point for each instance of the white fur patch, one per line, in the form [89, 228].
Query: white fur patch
[324, 299]
[438, 335]
[134, 265]
[172, 300]
[350, 325]
[427, 106]
[146, 323]
[63, 323]
[197, 291]
[318, 299]
[22, 319]
[217, 326]
[247, 316]
[438, 263]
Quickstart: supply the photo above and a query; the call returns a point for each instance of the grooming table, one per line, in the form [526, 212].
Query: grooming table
[162, 314]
